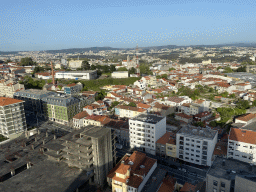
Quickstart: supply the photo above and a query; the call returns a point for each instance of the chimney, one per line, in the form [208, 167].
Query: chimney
[53, 80]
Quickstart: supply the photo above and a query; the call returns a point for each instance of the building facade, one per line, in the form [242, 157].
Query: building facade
[90, 149]
[145, 130]
[196, 145]
[12, 117]
[33, 98]
[76, 75]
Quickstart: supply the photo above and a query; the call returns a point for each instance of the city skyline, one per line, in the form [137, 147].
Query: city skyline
[45, 25]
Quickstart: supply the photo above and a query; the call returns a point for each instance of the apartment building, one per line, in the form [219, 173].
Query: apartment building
[246, 118]
[78, 119]
[145, 130]
[12, 117]
[242, 145]
[228, 175]
[96, 108]
[33, 98]
[90, 149]
[196, 145]
[9, 87]
[73, 88]
[166, 145]
[183, 117]
[62, 108]
[128, 111]
[92, 74]
[132, 173]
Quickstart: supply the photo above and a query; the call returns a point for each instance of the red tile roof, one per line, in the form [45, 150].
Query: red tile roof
[246, 117]
[8, 101]
[246, 136]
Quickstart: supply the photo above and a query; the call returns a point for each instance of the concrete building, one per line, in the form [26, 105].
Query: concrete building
[230, 175]
[90, 149]
[196, 145]
[62, 108]
[242, 145]
[128, 111]
[74, 64]
[9, 87]
[33, 100]
[145, 130]
[12, 117]
[132, 173]
[73, 88]
[120, 74]
[92, 74]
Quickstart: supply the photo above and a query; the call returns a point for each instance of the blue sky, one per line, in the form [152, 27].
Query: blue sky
[28, 25]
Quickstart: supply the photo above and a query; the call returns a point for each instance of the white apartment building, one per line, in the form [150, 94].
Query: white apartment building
[145, 130]
[196, 145]
[242, 145]
[12, 117]
[91, 74]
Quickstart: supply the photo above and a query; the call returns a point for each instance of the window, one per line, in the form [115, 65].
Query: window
[198, 146]
[192, 150]
[222, 184]
[193, 140]
[187, 139]
[215, 183]
[198, 141]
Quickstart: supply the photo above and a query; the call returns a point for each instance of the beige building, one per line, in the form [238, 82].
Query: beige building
[74, 64]
[120, 74]
[132, 173]
[8, 88]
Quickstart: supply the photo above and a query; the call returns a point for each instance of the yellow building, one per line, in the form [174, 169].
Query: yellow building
[171, 148]
[132, 173]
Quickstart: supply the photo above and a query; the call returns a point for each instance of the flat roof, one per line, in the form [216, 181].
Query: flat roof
[232, 168]
[89, 71]
[198, 132]
[95, 131]
[148, 118]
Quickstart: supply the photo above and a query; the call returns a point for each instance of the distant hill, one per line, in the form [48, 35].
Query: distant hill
[97, 49]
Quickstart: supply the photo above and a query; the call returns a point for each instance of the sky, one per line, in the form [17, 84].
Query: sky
[36, 25]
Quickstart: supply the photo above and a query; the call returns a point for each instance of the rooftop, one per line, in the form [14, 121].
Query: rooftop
[229, 168]
[198, 132]
[242, 135]
[148, 118]
[8, 101]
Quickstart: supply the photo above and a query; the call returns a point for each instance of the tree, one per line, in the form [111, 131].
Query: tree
[232, 96]
[254, 103]
[49, 81]
[227, 70]
[101, 95]
[112, 68]
[132, 104]
[122, 69]
[219, 67]
[132, 70]
[171, 69]
[241, 69]
[243, 104]
[85, 65]
[213, 124]
[27, 61]
[93, 67]
[60, 87]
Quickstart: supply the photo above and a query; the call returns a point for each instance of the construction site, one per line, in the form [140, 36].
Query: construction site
[57, 160]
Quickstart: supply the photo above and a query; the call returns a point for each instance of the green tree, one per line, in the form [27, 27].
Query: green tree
[132, 70]
[213, 124]
[112, 68]
[85, 65]
[171, 69]
[122, 69]
[232, 96]
[60, 87]
[27, 61]
[93, 67]
[101, 95]
[132, 104]
[243, 104]
[49, 81]
[227, 70]
[254, 103]
[241, 69]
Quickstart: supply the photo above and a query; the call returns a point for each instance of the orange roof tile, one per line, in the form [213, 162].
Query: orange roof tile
[246, 136]
[8, 101]
[122, 169]
[246, 117]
